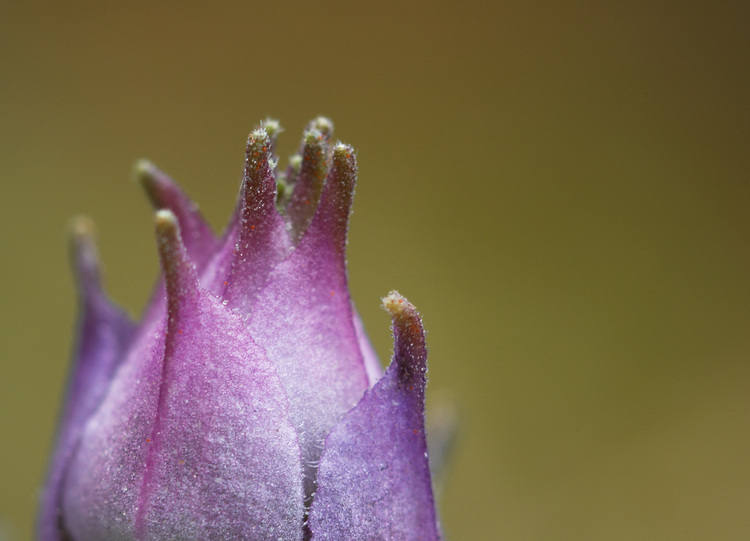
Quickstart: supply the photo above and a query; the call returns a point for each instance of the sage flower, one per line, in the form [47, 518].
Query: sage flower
[248, 402]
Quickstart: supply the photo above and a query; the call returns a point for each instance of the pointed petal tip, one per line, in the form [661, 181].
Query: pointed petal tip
[258, 192]
[330, 220]
[258, 153]
[342, 150]
[345, 163]
[84, 253]
[324, 125]
[261, 238]
[344, 169]
[164, 193]
[313, 137]
[258, 138]
[179, 270]
[165, 220]
[295, 162]
[272, 127]
[410, 350]
[151, 180]
[82, 230]
[313, 169]
[401, 310]
[168, 241]
[143, 167]
[383, 435]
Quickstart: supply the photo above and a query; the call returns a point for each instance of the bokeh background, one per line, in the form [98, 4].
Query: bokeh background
[561, 187]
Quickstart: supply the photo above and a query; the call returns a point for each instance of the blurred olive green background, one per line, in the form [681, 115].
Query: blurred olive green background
[561, 188]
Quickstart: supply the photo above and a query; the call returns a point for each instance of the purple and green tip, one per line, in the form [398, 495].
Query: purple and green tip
[248, 402]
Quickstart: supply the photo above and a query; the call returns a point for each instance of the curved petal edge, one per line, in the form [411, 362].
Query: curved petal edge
[374, 478]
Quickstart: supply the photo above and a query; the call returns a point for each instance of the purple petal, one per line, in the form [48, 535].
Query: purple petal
[104, 332]
[262, 241]
[199, 240]
[374, 478]
[214, 276]
[192, 442]
[304, 320]
[309, 184]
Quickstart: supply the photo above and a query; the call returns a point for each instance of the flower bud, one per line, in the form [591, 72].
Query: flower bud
[248, 402]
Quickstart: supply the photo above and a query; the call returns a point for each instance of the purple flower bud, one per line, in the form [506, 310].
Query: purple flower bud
[248, 403]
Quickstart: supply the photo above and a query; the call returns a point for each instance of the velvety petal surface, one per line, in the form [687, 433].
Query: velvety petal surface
[303, 318]
[374, 479]
[164, 193]
[247, 379]
[262, 241]
[104, 332]
[193, 441]
[200, 242]
[309, 183]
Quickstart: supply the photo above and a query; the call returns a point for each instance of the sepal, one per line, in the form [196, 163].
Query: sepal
[187, 430]
[104, 332]
[374, 477]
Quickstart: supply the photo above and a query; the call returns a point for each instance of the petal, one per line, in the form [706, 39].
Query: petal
[200, 242]
[374, 478]
[304, 320]
[163, 193]
[212, 256]
[262, 241]
[309, 183]
[193, 442]
[103, 334]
